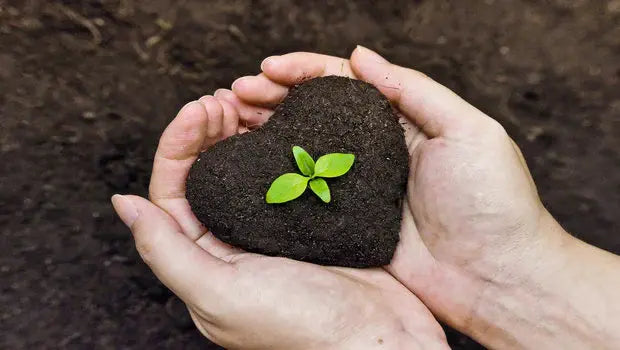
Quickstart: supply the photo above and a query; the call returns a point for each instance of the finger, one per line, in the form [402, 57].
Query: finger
[252, 115]
[259, 90]
[215, 120]
[293, 68]
[190, 272]
[215, 247]
[178, 148]
[413, 135]
[433, 107]
[231, 119]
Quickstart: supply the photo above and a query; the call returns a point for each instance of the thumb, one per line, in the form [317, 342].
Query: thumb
[434, 108]
[189, 271]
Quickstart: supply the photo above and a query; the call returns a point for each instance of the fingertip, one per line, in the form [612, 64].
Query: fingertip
[186, 122]
[228, 108]
[220, 93]
[286, 70]
[207, 99]
[141, 215]
[259, 90]
[183, 137]
[430, 105]
[269, 63]
[190, 109]
[372, 68]
[179, 145]
[292, 68]
[228, 96]
[214, 116]
[362, 52]
[125, 209]
[189, 104]
[252, 114]
[231, 119]
[174, 258]
[296, 67]
[241, 86]
[239, 83]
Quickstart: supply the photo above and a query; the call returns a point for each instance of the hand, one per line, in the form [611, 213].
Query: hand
[248, 301]
[476, 242]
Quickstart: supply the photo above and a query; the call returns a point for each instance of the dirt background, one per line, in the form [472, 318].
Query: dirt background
[86, 87]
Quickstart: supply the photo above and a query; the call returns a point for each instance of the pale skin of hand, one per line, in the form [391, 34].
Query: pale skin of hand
[248, 301]
[477, 246]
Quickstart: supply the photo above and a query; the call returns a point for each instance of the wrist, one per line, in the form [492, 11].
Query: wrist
[513, 299]
[550, 299]
[478, 299]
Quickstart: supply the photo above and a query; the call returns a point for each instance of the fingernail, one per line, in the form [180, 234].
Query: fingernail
[371, 54]
[125, 209]
[207, 99]
[232, 87]
[220, 92]
[269, 61]
[184, 107]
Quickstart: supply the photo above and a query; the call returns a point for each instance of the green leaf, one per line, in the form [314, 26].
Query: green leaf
[305, 163]
[333, 164]
[286, 188]
[320, 188]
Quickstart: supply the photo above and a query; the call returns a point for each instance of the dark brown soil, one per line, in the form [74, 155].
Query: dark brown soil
[83, 100]
[359, 227]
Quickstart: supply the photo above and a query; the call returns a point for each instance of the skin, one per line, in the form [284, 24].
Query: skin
[477, 246]
[247, 301]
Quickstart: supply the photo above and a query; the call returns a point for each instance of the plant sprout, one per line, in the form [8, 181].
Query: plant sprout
[292, 185]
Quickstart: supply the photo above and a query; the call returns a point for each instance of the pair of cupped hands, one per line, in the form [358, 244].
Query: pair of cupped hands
[475, 239]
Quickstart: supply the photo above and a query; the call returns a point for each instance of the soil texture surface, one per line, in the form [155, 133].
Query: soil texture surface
[359, 227]
[88, 86]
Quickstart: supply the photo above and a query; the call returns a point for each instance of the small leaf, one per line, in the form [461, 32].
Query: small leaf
[320, 188]
[286, 188]
[304, 161]
[333, 164]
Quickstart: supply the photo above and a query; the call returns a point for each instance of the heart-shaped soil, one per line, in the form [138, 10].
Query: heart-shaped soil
[359, 227]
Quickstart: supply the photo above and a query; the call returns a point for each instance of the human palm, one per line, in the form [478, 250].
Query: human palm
[471, 212]
[249, 301]
[279, 303]
[470, 203]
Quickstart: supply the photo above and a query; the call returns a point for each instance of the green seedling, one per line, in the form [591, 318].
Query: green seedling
[292, 185]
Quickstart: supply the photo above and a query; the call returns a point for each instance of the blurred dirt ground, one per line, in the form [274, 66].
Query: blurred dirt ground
[86, 88]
